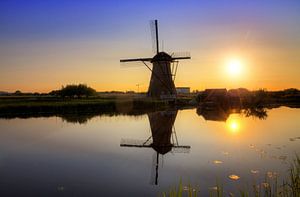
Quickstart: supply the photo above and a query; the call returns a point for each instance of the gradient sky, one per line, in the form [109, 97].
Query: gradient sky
[47, 44]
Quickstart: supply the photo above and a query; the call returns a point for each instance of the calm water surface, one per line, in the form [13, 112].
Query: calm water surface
[116, 156]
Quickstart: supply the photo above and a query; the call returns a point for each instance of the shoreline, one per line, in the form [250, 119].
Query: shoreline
[83, 109]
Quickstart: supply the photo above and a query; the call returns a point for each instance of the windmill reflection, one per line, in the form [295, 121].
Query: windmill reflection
[163, 139]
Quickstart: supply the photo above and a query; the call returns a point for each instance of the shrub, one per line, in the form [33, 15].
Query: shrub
[80, 90]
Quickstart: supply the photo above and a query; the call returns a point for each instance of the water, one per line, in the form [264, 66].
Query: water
[61, 157]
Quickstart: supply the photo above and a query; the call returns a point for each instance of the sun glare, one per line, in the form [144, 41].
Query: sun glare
[234, 67]
[233, 125]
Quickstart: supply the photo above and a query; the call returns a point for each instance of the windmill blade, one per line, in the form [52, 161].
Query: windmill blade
[174, 67]
[131, 64]
[154, 35]
[137, 60]
[180, 55]
[154, 169]
[136, 143]
[181, 149]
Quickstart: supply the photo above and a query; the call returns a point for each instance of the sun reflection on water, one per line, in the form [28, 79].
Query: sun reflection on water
[233, 124]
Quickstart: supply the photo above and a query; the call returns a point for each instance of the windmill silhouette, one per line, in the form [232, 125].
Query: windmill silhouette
[163, 71]
[163, 139]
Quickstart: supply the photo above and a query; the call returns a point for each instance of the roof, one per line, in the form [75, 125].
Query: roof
[183, 88]
[216, 90]
[162, 56]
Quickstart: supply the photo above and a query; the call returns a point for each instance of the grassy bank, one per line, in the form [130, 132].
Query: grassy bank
[134, 104]
[48, 105]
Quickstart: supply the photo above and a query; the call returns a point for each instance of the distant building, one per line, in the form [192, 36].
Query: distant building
[215, 94]
[183, 90]
[2, 93]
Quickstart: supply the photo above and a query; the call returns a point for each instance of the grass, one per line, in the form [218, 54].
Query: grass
[180, 191]
[37, 106]
[17, 101]
[270, 187]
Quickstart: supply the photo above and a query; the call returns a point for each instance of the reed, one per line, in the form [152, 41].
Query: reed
[270, 187]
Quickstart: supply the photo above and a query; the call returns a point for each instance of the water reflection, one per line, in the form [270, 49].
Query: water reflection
[81, 117]
[42, 155]
[233, 124]
[209, 111]
[163, 139]
[259, 112]
[222, 113]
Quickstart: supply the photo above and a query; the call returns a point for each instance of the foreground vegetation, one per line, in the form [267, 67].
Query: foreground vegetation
[270, 187]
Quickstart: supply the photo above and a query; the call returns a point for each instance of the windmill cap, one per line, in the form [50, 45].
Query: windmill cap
[162, 56]
[162, 149]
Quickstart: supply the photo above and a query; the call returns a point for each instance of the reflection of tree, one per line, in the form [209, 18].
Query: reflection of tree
[76, 118]
[259, 112]
[217, 113]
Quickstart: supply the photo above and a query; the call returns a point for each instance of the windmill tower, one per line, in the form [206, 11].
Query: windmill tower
[163, 71]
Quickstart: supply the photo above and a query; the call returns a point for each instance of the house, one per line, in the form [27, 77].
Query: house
[183, 90]
[215, 95]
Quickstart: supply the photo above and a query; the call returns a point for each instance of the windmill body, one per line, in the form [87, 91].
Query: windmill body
[161, 84]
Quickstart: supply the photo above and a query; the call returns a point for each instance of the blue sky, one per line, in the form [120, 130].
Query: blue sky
[31, 30]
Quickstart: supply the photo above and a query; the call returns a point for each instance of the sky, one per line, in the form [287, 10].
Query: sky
[47, 44]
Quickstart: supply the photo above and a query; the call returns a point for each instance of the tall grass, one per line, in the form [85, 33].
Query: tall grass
[181, 191]
[270, 187]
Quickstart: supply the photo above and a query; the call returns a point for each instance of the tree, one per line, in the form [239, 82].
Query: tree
[18, 92]
[80, 90]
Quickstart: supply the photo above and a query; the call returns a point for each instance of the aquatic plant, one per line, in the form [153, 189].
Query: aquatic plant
[270, 187]
[181, 190]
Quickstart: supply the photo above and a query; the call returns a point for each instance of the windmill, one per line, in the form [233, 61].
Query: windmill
[163, 139]
[163, 71]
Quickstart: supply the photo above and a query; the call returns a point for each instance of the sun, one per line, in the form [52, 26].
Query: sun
[234, 67]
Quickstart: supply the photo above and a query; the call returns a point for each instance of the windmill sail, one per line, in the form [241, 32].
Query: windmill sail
[180, 55]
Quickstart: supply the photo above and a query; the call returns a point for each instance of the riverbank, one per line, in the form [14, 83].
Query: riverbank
[25, 106]
[22, 106]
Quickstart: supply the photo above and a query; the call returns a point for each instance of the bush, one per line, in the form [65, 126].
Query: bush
[80, 90]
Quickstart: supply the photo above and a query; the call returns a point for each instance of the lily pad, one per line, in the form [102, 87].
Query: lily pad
[234, 177]
[217, 162]
[254, 171]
